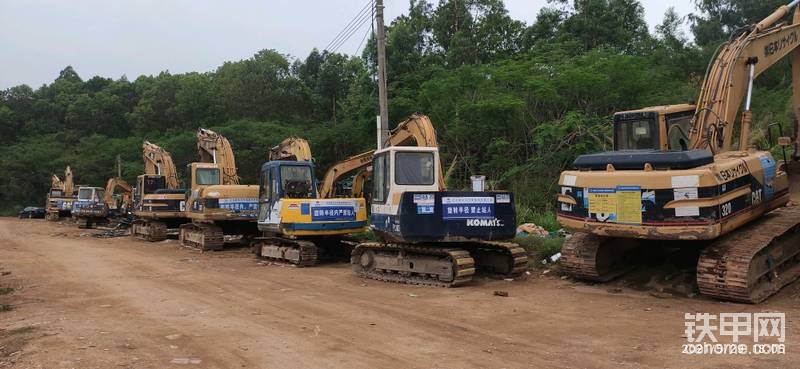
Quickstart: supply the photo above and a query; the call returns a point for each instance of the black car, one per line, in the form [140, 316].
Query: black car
[31, 212]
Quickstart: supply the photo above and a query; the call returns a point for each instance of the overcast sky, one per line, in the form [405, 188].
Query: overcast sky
[112, 38]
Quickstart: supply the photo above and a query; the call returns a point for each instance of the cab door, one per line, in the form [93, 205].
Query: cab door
[274, 195]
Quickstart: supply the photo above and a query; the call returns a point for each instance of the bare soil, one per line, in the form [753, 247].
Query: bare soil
[81, 302]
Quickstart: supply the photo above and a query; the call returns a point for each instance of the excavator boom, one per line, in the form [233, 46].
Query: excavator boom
[55, 183]
[124, 188]
[292, 148]
[729, 80]
[69, 185]
[215, 148]
[158, 161]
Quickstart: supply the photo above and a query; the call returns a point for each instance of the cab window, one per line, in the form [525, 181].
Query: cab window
[264, 188]
[678, 127]
[636, 134]
[296, 181]
[85, 194]
[380, 181]
[414, 168]
[207, 176]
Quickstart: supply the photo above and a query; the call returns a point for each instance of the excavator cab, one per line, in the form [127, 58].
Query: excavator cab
[284, 180]
[663, 128]
[204, 174]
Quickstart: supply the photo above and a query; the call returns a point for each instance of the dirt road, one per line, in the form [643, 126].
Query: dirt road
[83, 302]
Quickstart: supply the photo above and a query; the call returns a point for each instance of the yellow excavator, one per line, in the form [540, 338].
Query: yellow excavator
[679, 175]
[217, 204]
[297, 225]
[60, 197]
[159, 203]
[96, 204]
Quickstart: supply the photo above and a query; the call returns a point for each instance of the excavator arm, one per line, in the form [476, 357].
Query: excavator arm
[729, 79]
[292, 148]
[342, 168]
[69, 185]
[55, 183]
[158, 161]
[417, 129]
[124, 188]
[215, 148]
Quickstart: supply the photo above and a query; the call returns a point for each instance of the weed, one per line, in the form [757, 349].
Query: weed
[540, 247]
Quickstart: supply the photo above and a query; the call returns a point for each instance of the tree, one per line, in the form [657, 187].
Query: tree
[616, 23]
[717, 20]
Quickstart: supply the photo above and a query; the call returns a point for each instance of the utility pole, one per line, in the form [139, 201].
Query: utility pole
[383, 119]
[119, 167]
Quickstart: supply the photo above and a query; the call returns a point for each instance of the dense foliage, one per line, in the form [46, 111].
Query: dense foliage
[512, 101]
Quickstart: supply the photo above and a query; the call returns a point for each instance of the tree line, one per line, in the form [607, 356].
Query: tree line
[512, 101]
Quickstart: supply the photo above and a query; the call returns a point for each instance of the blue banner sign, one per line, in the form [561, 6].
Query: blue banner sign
[332, 213]
[468, 207]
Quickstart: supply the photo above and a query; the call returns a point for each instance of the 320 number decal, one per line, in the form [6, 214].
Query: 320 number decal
[726, 208]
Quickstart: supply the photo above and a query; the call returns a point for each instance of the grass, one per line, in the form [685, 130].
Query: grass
[540, 247]
[367, 235]
[545, 219]
[5, 290]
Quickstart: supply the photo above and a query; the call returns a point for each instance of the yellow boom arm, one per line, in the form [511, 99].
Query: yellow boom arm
[292, 148]
[158, 161]
[215, 148]
[729, 79]
[125, 190]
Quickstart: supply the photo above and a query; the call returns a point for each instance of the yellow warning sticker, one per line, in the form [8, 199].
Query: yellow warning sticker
[603, 203]
[629, 204]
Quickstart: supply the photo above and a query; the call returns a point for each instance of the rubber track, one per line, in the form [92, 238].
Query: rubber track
[516, 252]
[463, 264]
[308, 251]
[578, 256]
[149, 230]
[212, 236]
[723, 270]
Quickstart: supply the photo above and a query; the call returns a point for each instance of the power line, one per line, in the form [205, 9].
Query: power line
[357, 16]
[351, 31]
[351, 27]
[362, 41]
